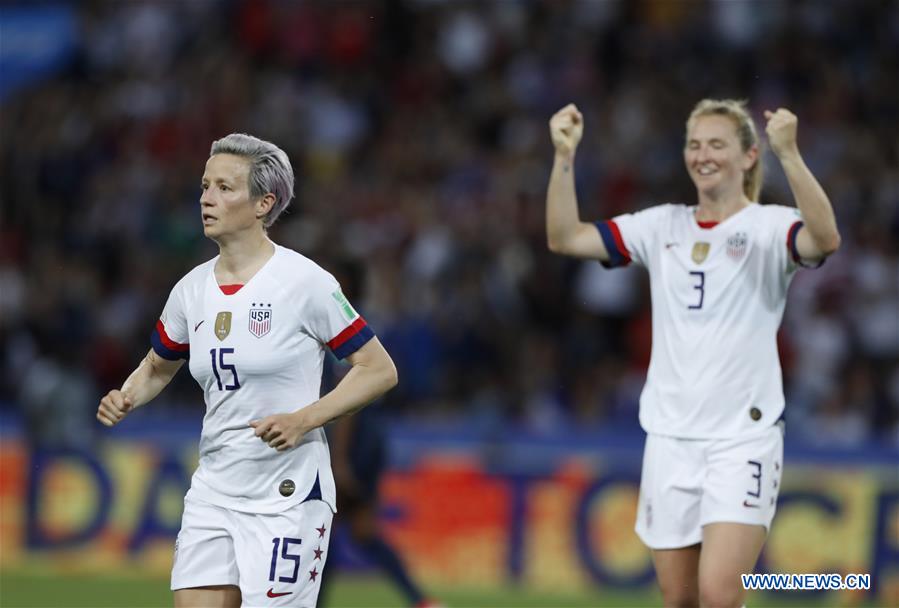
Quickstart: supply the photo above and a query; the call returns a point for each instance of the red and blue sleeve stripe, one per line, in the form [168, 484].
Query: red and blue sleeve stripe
[794, 252]
[351, 339]
[611, 238]
[167, 348]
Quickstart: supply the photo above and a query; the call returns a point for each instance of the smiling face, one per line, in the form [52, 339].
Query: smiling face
[714, 157]
[226, 205]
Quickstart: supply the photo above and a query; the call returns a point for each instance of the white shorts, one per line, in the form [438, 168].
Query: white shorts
[688, 483]
[275, 559]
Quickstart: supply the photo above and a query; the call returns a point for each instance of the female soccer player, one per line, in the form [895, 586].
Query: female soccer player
[253, 323]
[719, 273]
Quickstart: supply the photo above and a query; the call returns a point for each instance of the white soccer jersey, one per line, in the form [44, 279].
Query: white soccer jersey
[255, 353]
[718, 296]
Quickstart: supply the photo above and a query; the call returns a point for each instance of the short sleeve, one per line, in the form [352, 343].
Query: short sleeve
[787, 221]
[329, 317]
[630, 236]
[170, 336]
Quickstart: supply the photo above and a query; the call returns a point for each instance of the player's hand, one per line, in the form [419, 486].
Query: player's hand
[781, 130]
[114, 407]
[281, 431]
[566, 127]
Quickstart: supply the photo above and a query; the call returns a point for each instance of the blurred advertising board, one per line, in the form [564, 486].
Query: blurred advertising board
[544, 513]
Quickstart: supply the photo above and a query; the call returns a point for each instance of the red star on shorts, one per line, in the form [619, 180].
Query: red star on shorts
[321, 531]
[318, 553]
[313, 573]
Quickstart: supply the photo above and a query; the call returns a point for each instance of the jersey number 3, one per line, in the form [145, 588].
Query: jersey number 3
[700, 287]
[219, 363]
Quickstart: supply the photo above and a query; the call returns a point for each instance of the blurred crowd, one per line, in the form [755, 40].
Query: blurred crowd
[418, 131]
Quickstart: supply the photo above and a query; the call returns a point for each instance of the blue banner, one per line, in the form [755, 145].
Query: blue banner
[35, 42]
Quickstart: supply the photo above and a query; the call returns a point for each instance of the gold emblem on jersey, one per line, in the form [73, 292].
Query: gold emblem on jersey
[700, 252]
[222, 325]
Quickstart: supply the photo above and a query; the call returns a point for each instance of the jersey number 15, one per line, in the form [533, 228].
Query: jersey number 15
[219, 363]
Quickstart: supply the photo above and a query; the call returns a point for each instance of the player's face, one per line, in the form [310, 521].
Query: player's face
[225, 204]
[713, 155]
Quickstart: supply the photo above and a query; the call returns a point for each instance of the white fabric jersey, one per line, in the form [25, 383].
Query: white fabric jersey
[718, 296]
[255, 353]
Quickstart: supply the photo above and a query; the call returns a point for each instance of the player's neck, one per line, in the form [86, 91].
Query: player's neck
[718, 208]
[240, 259]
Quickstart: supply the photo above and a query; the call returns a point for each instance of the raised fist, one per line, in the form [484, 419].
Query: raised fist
[566, 127]
[781, 130]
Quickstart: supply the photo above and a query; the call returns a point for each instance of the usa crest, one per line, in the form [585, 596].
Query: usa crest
[700, 251]
[260, 320]
[736, 245]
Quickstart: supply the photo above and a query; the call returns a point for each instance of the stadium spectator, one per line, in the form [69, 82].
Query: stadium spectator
[435, 181]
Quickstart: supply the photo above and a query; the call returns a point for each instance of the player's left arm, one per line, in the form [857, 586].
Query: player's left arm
[819, 236]
[372, 374]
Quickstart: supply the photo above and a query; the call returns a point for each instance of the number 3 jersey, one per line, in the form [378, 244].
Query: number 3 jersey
[258, 352]
[718, 296]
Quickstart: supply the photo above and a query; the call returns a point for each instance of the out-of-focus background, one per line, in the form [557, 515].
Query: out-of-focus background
[418, 131]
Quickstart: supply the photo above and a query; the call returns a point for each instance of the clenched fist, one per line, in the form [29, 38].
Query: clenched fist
[566, 127]
[281, 431]
[781, 130]
[114, 407]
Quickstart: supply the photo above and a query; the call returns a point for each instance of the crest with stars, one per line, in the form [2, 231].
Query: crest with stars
[736, 245]
[260, 319]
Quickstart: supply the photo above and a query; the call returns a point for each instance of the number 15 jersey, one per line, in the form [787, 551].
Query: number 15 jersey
[718, 296]
[258, 352]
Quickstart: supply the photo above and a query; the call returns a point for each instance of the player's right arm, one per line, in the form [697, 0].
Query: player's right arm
[152, 375]
[565, 232]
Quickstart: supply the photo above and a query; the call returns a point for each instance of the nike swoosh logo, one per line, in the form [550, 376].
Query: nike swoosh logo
[197, 326]
[670, 245]
[746, 503]
[271, 593]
